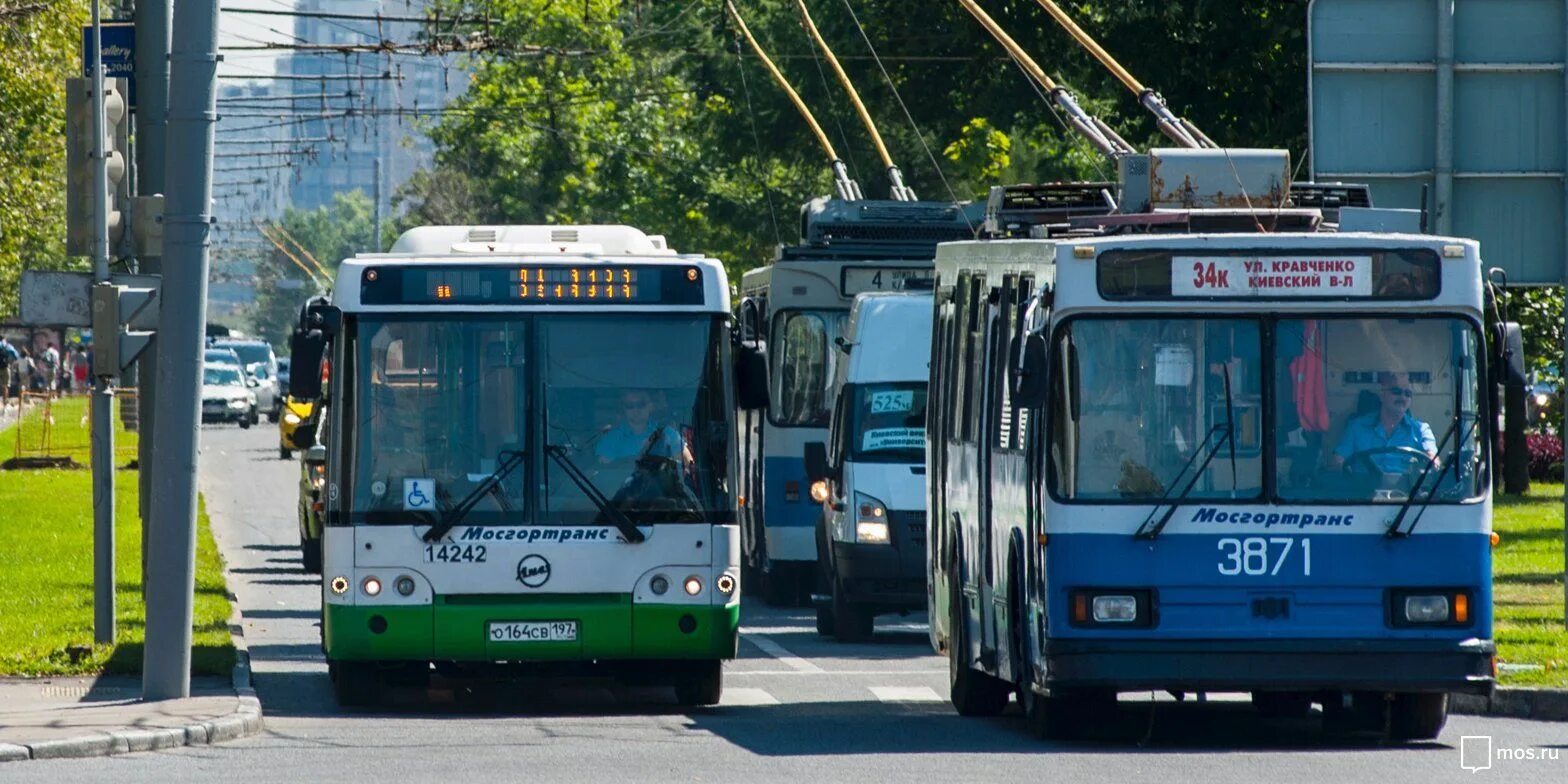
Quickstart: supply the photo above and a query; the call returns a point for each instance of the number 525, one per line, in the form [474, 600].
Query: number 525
[1258, 555]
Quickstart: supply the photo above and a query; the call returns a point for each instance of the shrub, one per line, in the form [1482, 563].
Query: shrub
[1546, 456]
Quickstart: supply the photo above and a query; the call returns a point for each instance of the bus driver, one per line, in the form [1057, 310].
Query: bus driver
[629, 439]
[1391, 426]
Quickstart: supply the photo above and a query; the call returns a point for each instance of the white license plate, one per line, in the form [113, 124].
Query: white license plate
[533, 631]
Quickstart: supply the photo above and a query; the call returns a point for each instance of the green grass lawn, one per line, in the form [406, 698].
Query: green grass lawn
[1527, 574]
[46, 565]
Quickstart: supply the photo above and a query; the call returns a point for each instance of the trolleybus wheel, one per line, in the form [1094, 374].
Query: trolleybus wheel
[850, 623]
[1417, 716]
[1282, 704]
[972, 692]
[702, 683]
[354, 684]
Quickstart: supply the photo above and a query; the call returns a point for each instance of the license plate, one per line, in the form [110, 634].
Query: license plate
[533, 631]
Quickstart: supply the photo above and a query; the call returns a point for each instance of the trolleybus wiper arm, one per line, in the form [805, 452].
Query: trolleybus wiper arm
[510, 460]
[629, 531]
[1394, 530]
[1148, 531]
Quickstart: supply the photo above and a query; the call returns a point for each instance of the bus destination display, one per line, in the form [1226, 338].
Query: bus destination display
[1405, 273]
[530, 284]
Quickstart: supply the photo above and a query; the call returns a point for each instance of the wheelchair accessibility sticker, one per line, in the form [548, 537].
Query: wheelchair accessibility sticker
[419, 495]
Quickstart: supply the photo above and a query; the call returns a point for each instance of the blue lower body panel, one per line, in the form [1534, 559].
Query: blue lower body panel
[788, 513]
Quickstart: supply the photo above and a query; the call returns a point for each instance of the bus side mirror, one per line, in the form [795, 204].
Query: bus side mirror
[816, 461]
[751, 374]
[307, 349]
[316, 455]
[1029, 387]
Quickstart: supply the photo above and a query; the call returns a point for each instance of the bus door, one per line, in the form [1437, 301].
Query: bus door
[752, 327]
[1004, 485]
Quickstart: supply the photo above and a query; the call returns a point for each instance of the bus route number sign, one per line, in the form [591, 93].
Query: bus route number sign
[859, 280]
[1271, 276]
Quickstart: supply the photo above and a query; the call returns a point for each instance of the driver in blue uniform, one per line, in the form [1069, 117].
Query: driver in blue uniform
[627, 440]
[1392, 425]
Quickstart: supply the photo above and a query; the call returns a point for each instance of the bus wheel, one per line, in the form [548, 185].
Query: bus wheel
[850, 622]
[1417, 716]
[972, 692]
[702, 683]
[354, 684]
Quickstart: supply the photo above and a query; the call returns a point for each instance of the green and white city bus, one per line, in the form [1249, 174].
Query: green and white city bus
[529, 462]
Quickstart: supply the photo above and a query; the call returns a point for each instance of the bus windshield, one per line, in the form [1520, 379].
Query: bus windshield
[804, 355]
[634, 405]
[1360, 410]
[888, 422]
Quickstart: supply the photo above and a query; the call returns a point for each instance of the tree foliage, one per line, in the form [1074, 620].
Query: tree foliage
[39, 41]
[330, 234]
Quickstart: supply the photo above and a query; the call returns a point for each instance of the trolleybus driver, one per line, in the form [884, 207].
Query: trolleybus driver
[1392, 427]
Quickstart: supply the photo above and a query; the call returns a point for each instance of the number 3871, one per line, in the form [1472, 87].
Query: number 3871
[1265, 555]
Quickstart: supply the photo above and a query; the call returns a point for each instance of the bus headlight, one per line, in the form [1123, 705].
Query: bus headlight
[819, 491]
[659, 584]
[870, 520]
[693, 585]
[1429, 608]
[371, 586]
[725, 584]
[1124, 607]
[1426, 609]
[404, 585]
[339, 585]
[1115, 609]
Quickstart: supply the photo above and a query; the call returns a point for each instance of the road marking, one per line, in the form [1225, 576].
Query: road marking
[906, 694]
[779, 652]
[734, 696]
[901, 673]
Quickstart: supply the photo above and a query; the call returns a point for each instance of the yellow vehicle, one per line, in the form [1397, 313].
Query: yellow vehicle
[297, 422]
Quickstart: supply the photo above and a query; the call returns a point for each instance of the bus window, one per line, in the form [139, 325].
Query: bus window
[803, 356]
[1365, 406]
[1144, 402]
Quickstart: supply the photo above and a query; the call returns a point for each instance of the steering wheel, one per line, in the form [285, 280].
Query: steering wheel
[1364, 458]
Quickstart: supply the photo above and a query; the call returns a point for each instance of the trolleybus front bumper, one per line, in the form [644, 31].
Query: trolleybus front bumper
[1299, 664]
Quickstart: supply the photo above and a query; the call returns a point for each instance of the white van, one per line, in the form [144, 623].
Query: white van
[870, 476]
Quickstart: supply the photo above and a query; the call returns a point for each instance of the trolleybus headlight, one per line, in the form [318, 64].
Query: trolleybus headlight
[371, 586]
[819, 491]
[659, 584]
[339, 585]
[870, 520]
[693, 585]
[1115, 609]
[725, 584]
[404, 585]
[1426, 609]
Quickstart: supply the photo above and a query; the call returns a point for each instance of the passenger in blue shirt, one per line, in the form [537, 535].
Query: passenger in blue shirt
[627, 440]
[1392, 425]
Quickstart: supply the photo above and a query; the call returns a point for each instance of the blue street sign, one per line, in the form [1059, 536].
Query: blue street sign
[119, 54]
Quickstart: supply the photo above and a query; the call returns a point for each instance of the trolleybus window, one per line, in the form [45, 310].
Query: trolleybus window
[1377, 409]
[1152, 408]
[803, 354]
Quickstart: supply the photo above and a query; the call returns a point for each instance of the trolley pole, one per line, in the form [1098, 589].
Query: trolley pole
[171, 542]
[102, 403]
[152, 96]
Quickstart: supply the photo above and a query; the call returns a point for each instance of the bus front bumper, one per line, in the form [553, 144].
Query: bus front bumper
[451, 629]
[1247, 665]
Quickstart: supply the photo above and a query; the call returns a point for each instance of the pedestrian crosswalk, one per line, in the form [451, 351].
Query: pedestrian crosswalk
[892, 695]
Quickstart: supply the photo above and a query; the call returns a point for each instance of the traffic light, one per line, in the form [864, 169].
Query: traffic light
[80, 148]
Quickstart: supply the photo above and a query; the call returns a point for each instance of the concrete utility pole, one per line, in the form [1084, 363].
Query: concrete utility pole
[102, 404]
[171, 542]
[152, 98]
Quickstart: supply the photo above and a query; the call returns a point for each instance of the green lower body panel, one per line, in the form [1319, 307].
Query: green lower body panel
[456, 629]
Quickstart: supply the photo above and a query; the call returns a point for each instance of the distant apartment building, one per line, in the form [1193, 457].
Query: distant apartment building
[375, 106]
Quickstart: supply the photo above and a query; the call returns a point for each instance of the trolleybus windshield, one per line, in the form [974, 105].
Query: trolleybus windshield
[804, 354]
[1357, 410]
[635, 403]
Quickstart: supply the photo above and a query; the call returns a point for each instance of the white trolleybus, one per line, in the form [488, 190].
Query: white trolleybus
[1227, 450]
[529, 460]
[794, 312]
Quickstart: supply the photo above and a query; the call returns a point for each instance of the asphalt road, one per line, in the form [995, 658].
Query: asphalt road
[797, 708]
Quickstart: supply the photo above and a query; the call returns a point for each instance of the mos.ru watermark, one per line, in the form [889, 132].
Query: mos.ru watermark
[1479, 752]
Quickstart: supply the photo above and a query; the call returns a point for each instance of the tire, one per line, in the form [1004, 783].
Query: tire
[972, 692]
[284, 452]
[778, 586]
[825, 620]
[700, 684]
[851, 623]
[355, 684]
[1417, 716]
[1282, 704]
[310, 555]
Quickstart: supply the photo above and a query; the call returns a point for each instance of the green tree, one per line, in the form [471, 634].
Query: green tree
[39, 40]
[329, 234]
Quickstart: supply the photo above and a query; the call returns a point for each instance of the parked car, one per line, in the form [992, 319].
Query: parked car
[227, 396]
[259, 352]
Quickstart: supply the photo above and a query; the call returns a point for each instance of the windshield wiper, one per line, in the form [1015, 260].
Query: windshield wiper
[628, 531]
[1394, 530]
[1227, 431]
[510, 460]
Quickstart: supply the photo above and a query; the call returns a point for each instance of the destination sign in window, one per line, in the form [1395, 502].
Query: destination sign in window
[533, 284]
[1240, 274]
